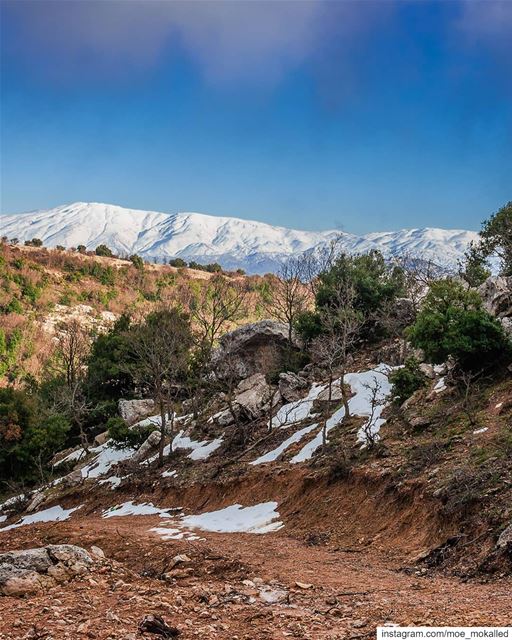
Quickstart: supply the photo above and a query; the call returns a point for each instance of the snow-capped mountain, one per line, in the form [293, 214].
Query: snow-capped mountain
[235, 243]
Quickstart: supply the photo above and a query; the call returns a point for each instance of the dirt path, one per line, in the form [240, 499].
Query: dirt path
[344, 594]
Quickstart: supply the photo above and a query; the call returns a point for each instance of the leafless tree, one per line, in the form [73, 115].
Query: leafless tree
[341, 325]
[161, 347]
[70, 361]
[290, 293]
[375, 398]
[215, 305]
[320, 260]
[467, 384]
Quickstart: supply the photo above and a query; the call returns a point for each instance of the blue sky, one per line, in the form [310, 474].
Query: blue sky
[316, 114]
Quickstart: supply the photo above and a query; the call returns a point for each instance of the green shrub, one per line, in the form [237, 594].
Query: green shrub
[406, 380]
[103, 250]
[453, 323]
[123, 436]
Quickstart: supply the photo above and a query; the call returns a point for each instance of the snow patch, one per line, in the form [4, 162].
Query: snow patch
[130, 508]
[53, 514]
[299, 410]
[275, 453]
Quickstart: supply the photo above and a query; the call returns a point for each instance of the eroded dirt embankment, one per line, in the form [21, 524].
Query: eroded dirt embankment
[342, 564]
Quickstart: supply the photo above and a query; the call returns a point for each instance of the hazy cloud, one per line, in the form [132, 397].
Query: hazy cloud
[227, 39]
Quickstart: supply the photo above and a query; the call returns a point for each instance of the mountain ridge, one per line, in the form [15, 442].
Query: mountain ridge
[255, 246]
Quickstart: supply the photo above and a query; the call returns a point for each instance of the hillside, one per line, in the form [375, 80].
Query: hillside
[41, 288]
[174, 462]
[234, 243]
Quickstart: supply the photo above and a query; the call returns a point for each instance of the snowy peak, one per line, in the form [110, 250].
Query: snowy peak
[254, 246]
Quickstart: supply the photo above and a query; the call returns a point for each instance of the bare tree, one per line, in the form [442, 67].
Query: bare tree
[161, 347]
[70, 362]
[320, 260]
[341, 325]
[290, 294]
[214, 306]
[375, 398]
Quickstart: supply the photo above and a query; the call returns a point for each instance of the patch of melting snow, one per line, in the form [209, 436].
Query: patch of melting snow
[113, 481]
[360, 404]
[482, 430]
[143, 509]
[3, 518]
[53, 514]
[259, 519]
[299, 410]
[440, 385]
[275, 453]
[200, 450]
[169, 474]
[167, 533]
[74, 456]
[107, 456]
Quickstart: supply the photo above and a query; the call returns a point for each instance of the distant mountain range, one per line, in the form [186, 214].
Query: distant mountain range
[253, 246]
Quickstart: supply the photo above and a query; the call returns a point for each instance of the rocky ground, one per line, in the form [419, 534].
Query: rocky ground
[237, 586]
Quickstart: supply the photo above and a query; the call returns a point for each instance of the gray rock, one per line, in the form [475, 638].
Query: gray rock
[496, 293]
[505, 539]
[134, 410]
[507, 325]
[259, 347]
[252, 394]
[147, 447]
[427, 370]
[28, 571]
[36, 501]
[291, 386]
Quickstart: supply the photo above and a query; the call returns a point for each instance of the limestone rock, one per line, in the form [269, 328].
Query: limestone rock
[259, 347]
[291, 386]
[28, 571]
[505, 539]
[134, 410]
[152, 441]
[496, 293]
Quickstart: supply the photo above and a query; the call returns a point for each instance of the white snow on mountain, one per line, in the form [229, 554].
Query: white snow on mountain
[235, 243]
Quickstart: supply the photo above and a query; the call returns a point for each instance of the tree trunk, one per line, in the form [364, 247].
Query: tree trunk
[163, 422]
[344, 395]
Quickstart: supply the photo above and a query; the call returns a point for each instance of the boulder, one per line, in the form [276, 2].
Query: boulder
[252, 395]
[29, 571]
[496, 293]
[152, 441]
[134, 410]
[101, 438]
[259, 347]
[292, 387]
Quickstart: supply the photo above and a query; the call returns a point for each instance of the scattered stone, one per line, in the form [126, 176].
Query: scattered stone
[101, 438]
[304, 585]
[36, 501]
[97, 552]
[156, 625]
